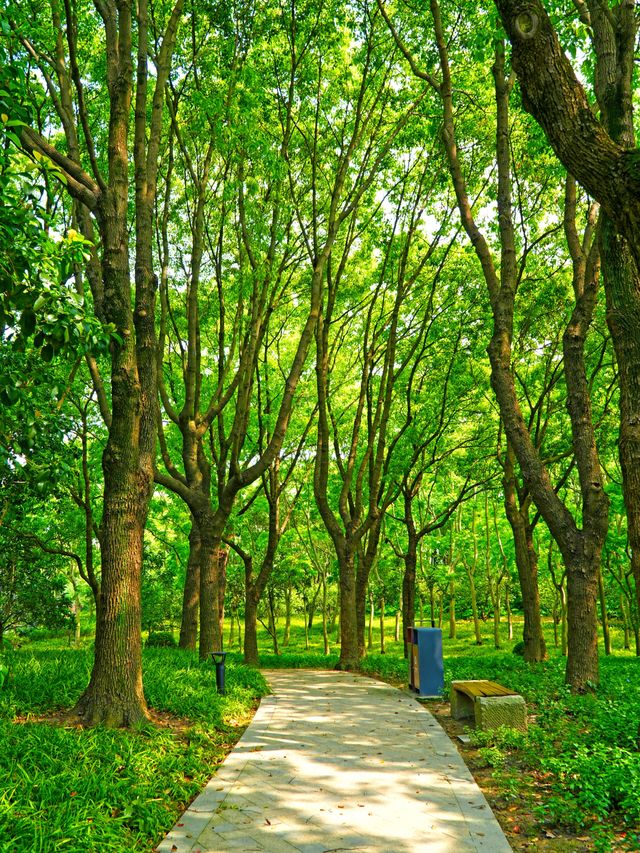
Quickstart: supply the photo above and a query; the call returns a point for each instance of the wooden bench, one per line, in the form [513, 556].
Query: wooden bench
[489, 703]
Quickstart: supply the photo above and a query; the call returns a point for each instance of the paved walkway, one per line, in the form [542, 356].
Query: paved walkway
[335, 762]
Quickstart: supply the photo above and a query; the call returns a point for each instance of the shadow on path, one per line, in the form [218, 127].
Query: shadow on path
[334, 761]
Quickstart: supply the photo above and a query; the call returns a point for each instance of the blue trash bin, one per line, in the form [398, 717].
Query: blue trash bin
[426, 668]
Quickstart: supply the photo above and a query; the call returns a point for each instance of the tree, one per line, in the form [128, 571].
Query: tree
[581, 548]
[33, 587]
[100, 187]
[253, 268]
[598, 149]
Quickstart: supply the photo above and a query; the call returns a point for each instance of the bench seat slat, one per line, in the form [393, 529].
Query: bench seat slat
[483, 688]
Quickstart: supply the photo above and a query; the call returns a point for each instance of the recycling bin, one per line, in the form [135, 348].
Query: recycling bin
[426, 669]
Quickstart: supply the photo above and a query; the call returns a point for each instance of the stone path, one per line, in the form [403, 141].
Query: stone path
[335, 762]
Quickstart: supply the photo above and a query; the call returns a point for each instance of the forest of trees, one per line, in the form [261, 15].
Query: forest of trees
[318, 307]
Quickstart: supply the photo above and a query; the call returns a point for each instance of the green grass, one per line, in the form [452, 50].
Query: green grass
[67, 789]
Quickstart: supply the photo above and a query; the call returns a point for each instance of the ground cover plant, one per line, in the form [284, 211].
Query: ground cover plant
[571, 783]
[67, 788]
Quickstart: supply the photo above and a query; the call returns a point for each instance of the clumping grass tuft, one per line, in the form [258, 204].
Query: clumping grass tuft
[65, 788]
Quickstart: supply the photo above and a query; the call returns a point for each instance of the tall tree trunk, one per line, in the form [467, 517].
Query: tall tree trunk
[595, 147]
[362, 585]
[232, 626]
[305, 605]
[582, 623]
[210, 583]
[452, 609]
[564, 628]
[382, 635]
[474, 607]
[496, 617]
[606, 634]
[114, 695]
[191, 593]
[622, 286]
[526, 563]
[366, 561]
[287, 616]
[223, 558]
[409, 587]
[251, 656]
[580, 547]
[239, 630]
[272, 620]
[349, 646]
[625, 620]
[325, 630]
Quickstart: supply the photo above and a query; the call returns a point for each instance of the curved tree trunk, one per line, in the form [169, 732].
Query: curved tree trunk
[580, 548]
[595, 149]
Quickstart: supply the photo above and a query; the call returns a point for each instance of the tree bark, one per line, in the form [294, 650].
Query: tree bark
[581, 548]
[325, 631]
[191, 593]
[210, 639]
[349, 645]
[526, 563]
[606, 634]
[601, 154]
[410, 558]
[251, 657]
[452, 607]
[287, 616]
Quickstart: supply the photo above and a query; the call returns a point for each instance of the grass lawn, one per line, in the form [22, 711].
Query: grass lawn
[571, 784]
[64, 788]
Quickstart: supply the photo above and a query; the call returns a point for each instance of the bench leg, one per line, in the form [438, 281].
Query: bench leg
[461, 705]
[493, 711]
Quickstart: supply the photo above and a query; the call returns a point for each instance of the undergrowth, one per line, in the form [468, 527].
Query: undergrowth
[63, 788]
[77, 790]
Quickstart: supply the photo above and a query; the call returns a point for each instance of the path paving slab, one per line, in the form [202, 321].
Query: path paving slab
[336, 762]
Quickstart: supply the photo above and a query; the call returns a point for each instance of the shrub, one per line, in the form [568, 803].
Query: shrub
[161, 640]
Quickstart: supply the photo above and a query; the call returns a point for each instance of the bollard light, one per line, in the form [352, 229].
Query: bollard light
[218, 659]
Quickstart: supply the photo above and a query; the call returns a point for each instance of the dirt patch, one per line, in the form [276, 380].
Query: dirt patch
[519, 824]
[68, 719]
